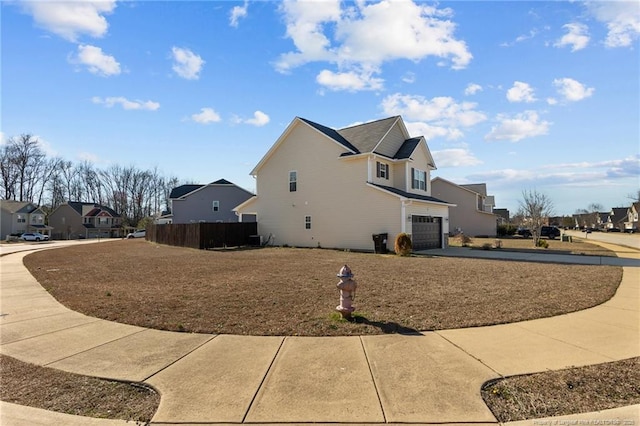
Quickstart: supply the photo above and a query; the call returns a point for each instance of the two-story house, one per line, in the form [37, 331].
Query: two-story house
[322, 187]
[616, 218]
[213, 202]
[473, 214]
[631, 223]
[74, 220]
[18, 217]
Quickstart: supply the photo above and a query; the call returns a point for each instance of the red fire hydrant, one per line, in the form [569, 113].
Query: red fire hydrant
[347, 287]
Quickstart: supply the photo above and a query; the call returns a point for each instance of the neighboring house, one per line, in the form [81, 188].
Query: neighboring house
[631, 223]
[473, 214]
[616, 218]
[18, 217]
[504, 217]
[164, 219]
[75, 220]
[321, 187]
[213, 202]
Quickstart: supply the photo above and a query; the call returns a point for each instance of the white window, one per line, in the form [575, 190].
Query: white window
[21, 219]
[293, 181]
[419, 180]
[307, 222]
[216, 206]
[103, 220]
[382, 170]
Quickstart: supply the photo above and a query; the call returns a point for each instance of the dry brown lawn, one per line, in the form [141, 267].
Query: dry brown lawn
[277, 291]
[289, 291]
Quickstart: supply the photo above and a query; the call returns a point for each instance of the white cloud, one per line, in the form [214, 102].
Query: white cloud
[363, 36]
[622, 19]
[206, 116]
[186, 63]
[521, 126]
[472, 89]
[126, 103]
[521, 92]
[455, 157]
[96, 61]
[70, 19]
[409, 78]
[438, 110]
[572, 90]
[351, 81]
[577, 37]
[521, 38]
[238, 12]
[259, 119]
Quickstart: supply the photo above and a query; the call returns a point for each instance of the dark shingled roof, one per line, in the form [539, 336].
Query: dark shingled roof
[409, 194]
[181, 190]
[407, 148]
[77, 206]
[221, 182]
[366, 136]
[333, 134]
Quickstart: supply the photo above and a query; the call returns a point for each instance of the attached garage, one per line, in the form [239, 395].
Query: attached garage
[426, 232]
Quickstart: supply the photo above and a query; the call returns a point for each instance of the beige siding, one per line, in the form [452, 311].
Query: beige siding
[374, 168]
[332, 190]
[465, 215]
[391, 142]
[421, 162]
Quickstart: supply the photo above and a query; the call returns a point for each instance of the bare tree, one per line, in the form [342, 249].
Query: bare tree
[536, 208]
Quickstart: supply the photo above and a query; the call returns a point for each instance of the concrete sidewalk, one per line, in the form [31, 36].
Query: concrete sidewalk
[431, 377]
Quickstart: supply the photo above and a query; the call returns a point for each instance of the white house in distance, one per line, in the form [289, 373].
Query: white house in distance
[321, 187]
[473, 214]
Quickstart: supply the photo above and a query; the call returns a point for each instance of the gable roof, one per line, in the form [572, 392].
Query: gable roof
[359, 139]
[618, 214]
[366, 137]
[79, 207]
[181, 190]
[13, 206]
[333, 134]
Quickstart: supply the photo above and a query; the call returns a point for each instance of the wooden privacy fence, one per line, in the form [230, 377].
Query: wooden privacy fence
[203, 235]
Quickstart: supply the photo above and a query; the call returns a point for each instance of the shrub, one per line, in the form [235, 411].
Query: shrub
[403, 245]
[497, 244]
[486, 246]
[463, 240]
[543, 243]
[505, 230]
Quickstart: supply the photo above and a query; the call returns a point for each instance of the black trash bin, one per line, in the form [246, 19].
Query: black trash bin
[380, 243]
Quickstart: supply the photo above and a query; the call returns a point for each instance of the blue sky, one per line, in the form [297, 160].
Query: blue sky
[520, 95]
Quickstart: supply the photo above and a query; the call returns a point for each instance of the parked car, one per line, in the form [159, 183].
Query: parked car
[140, 233]
[34, 236]
[550, 232]
[613, 229]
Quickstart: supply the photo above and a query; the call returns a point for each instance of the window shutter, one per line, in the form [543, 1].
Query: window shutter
[413, 178]
[377, 169]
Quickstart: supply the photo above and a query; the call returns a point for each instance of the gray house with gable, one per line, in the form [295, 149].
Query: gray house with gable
[213, 202]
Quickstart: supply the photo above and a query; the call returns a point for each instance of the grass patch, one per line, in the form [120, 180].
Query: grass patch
[570, 391]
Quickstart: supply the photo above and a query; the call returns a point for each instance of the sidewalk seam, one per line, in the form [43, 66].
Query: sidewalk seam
[179, 358]
[373, 379]
[50, 332]
[264, 377]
